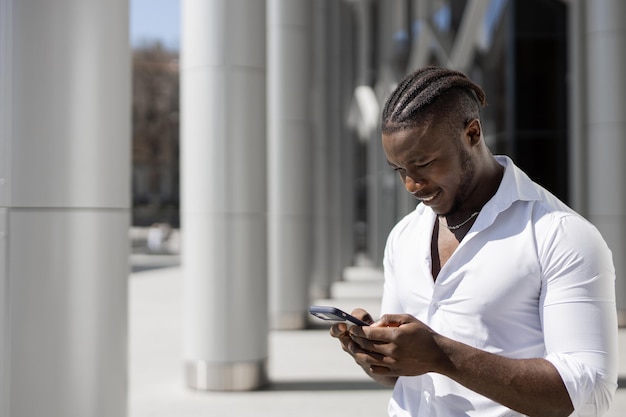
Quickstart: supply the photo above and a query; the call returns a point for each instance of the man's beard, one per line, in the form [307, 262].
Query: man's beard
[468, 171]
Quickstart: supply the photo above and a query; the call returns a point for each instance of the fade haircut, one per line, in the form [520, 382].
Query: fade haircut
[433, 94]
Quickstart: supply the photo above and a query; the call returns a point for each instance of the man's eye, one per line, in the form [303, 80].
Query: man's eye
[427, 164]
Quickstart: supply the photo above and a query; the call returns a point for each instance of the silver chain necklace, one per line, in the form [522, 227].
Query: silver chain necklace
[460, 224]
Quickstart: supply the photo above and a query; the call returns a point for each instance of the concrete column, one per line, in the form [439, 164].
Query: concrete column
[290, 161]
[364, 114]
[577, 109]
[342, 138]
[64, 207]
[396, 51]
[323, 245]
[606, 123]
[224, 257]
[382, 181]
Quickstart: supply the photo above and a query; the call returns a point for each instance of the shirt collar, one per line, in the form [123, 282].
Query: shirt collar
[515, 185]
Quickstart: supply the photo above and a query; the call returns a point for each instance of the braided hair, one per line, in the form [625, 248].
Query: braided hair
[432, 94]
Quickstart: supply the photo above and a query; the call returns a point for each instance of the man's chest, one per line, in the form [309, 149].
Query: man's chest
[483, 277]
[444, 243]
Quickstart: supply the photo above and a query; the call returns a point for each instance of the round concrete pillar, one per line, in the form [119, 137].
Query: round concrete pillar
[224, 225]
[606, 122]
[64, 207]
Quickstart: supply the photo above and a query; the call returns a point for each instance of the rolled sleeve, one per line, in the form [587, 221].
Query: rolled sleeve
[591, 391]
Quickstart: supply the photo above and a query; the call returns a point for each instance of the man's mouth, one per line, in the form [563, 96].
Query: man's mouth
[427, 198]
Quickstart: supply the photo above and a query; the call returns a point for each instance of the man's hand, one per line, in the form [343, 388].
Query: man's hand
[398, 345]
[343, 333]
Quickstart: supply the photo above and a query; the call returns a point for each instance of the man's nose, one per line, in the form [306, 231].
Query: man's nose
[412, 185]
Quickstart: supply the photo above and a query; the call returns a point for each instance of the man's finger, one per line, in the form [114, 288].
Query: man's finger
[363, 315]
[337, 329]
[393, 320]
[373, 333]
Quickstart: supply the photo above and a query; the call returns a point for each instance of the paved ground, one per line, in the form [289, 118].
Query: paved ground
[310, 375]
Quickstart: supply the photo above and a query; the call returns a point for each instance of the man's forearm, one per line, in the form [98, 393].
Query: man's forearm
[530, 386]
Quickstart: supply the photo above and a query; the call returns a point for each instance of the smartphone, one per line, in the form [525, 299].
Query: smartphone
[335, 315]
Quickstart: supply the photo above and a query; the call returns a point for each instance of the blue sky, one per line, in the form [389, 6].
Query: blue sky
[155, 20]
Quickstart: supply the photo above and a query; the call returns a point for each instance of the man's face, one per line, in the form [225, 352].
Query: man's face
[435, 165]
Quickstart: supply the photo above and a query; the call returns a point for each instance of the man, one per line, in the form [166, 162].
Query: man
[499, 300]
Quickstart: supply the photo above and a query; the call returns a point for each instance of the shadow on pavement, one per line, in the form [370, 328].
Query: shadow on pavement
[324, 386]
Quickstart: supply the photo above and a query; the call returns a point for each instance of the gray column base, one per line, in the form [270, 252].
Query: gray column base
[288, 321]
[621, 318]
[237, 376]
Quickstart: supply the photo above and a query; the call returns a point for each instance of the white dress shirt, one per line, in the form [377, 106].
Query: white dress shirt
[531, 279]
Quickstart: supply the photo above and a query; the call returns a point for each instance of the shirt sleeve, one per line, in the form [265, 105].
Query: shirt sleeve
[579, 313]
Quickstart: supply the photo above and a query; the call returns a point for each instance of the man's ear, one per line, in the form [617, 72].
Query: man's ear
[473, 130]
